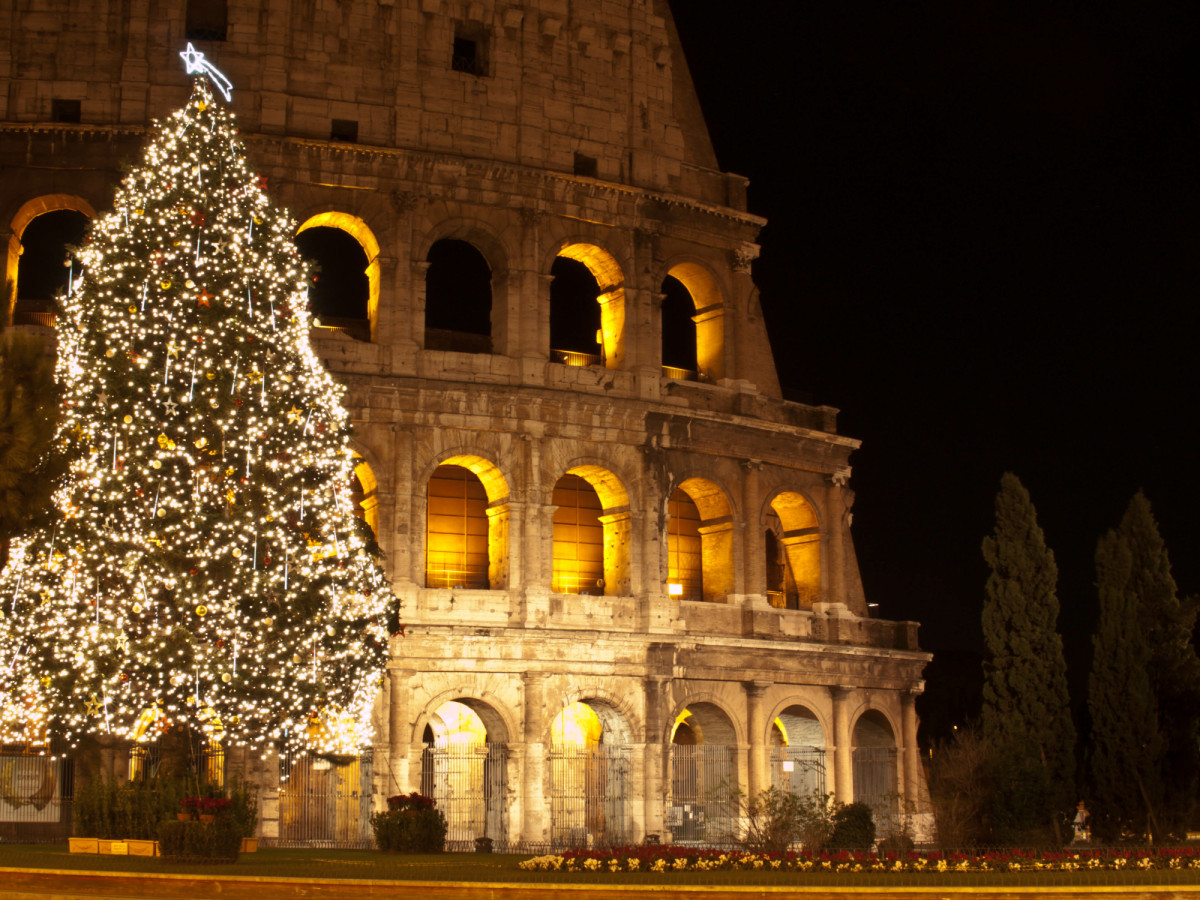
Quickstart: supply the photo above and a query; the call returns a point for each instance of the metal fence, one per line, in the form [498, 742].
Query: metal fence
[589, 787]
[36, 794]
[703, 805]
[468, 783]
[798, 770]
[876, 784]
[325, 802]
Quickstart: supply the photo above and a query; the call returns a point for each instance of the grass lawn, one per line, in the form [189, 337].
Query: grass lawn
[474, 867]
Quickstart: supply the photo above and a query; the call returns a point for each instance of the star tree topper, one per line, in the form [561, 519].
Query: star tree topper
[198, 65]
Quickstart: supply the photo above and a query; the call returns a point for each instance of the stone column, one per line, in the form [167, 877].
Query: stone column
[910, 755]
[399, 732]
[655, 784]
[534, 824]
[835, 557]
[756, 725]
[843, 751]
[754, 555]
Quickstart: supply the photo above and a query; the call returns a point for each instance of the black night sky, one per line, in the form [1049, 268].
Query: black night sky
[983, 243]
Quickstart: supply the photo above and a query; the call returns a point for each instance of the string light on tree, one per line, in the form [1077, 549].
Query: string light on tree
[205, 566]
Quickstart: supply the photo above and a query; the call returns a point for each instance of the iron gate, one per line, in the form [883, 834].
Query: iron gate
[798, 770]
[588, 790]
[468, 783]
[875, 783]
[704, 792]
[325, 802]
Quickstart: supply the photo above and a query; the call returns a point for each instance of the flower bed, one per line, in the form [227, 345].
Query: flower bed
[690, 859]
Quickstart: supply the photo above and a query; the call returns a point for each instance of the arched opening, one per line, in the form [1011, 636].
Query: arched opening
[678, 330]
[463, 769]
[685, 573]
[693, 321]
[797, 744]
[793, 553]
[702, 807]
[456, 530]
[345, 293]
[699, 542]
[467, 525]
[590, 771]
[364, 498]
[458, 298]
[591, 534]
[875, 767]
[587, 308]
[45, 268]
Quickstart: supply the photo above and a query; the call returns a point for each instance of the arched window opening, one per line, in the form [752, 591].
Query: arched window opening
[797, 745]
[590, 775]
[685, 572]
[578, 538]
[339, 294]
[364, 498]
[678, 330]
[793, 553]
[575, 334]
[463, 768]
[43, 272]
[704, 785]
[875, 767]
[699, 542]
[458, 298]
[456, 540]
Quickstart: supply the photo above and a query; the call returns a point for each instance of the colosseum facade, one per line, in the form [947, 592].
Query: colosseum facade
[625, 564]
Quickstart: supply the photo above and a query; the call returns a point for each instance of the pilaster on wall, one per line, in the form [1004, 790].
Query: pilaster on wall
[843, 751]
[756, 724]
[534, 826]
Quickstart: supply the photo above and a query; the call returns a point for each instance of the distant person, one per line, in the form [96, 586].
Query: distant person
[1083, 831]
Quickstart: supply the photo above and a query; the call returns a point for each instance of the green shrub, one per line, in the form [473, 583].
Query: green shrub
[104, 808]
[853, 827]
[216, 841]
[411, 824]
[244, 811]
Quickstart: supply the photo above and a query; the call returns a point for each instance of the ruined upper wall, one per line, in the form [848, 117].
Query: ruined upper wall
[554, 83]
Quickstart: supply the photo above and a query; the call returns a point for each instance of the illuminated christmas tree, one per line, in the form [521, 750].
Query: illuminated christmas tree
[205, 567]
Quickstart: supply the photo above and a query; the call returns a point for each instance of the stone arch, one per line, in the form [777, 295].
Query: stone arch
[708, 314]
[498, 719]
[876, 763]
[704, 772]
[610, 279]
[797, 748]
[444, 223]
[468, 778]
[495, 508]
[364, 493]
[614, 520]
[793, 522]
[358, 229]
[615, 712]
[25, 214]
[715, 535]
[712, 710]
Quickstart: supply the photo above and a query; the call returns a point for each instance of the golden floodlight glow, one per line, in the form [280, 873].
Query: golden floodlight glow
[204, 566]
[675, 590]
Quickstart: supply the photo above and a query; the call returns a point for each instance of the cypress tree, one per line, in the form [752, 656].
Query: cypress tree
[1173, 666]
[1026, 710]
[1125, 744]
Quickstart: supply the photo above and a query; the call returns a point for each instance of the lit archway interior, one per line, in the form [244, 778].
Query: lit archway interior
[573, 311]
[793, 552]
[591, 533]
[797, 744]
[458, 298]
[463, 769]
[467, 525]
[590, 772]
[699, 542]
[704, 776]
[364, 494]
[707, 316]
[678, 330]
[41, 230]
[339, 290]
